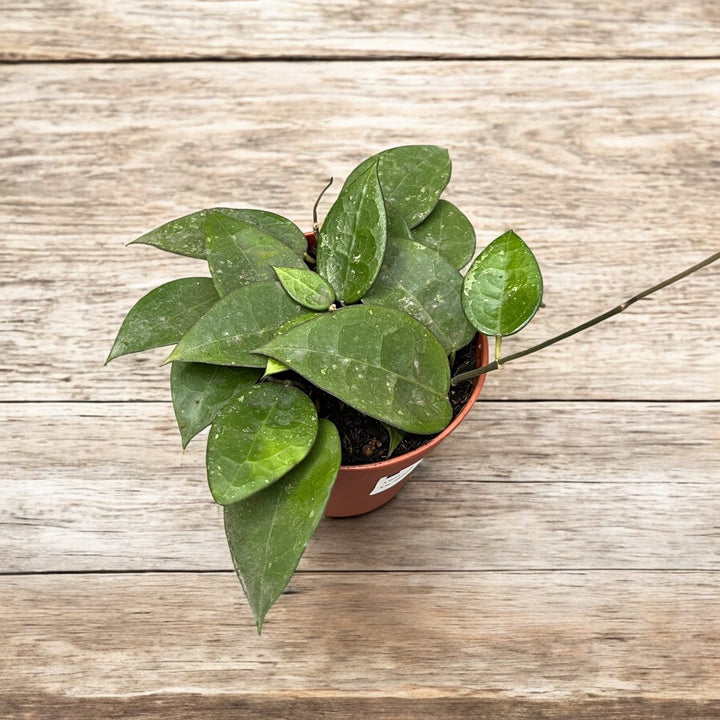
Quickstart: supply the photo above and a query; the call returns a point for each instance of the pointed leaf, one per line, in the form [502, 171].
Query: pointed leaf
[199, 391]
[237, 324]
[395, 436]
[274, 367]
[306, 287]
[164, 315]
[418, 281]
[256, 438]
[449, 232]
[382, 362]
[503, 288]
[183, 236]
[239, 253]
[186, 235]
[412, 177]
[352, 240]
[268, 532]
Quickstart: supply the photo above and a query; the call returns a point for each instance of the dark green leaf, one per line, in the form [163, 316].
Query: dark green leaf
[412, 178]
[256, 438]
[237, 324]
[199, 391]
[183, 236]
[396, 225]
[268, 532]
[449, 232]
[276, 226]
[418, 281]
[352, 240]
[380, 361]
[239, 253]
[503, 287]
[186, 235]
[164, 315]
[306, 287]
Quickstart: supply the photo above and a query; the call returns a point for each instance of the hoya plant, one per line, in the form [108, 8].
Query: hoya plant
[370, 312]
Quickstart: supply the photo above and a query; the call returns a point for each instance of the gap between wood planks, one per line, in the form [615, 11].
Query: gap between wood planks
[356, 58]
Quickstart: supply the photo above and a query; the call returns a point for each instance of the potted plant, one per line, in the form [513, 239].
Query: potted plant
[325, 363]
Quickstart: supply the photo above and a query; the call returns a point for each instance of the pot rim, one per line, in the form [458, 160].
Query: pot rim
[409, 457]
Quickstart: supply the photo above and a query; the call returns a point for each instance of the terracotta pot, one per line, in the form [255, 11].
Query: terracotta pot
[360, 489]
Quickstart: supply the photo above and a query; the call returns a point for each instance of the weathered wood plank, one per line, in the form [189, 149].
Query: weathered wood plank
[552, 636]
[610, 185]
[249, 707]
[290, 28]
[99, 487]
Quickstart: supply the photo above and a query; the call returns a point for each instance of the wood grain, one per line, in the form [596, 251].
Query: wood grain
[92, 29]
[548, 636]
[105, 487]
[610, 185]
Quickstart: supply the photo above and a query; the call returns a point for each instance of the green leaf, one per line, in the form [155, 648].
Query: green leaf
[503, 288]
[164, 315]
[395, 437]
[274, 366]
[199, 391]
[306, 287]
[282, 229]
[396, 225]
[239, 253]
[183, 236]
[382, 362]
[418, 281]
[412, 178]
[186, 235]
[449, 232]
[268, 532]
[352, 240]
[236, 325]
[256, 438]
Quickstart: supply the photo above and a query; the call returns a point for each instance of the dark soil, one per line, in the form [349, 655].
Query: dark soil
[365, 440]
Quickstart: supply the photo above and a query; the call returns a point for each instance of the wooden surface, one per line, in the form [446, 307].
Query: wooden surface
[559, 556]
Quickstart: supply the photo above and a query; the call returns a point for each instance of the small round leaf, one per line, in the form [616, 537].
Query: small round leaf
[503, 287]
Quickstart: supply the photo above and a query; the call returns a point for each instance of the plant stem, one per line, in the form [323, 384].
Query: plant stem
[316, 226]
[584, 326]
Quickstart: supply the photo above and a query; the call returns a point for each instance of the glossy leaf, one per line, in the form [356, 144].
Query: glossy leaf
[412, 178]
[448, 231]
[186, 235]
[164, 315]
[239, 253]
[199, 391]
[503, 288]
[237, 324]
[380, 361]
[306, 287]
[418, 281]
[256, 438]
[182, 236]
[353, 237]
[268, 532]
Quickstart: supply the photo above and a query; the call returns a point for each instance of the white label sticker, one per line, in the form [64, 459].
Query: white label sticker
[385, 483]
